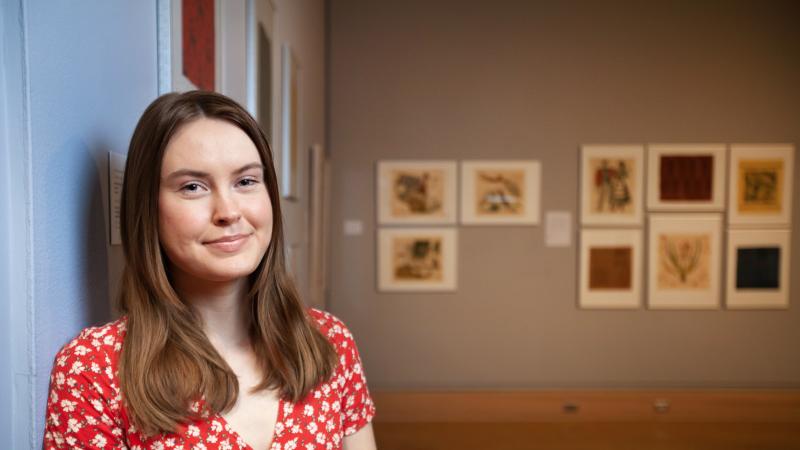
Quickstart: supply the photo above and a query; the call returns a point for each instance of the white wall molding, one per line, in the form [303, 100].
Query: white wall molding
[16, 213]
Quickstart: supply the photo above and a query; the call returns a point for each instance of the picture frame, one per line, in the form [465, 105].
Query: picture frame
[263, 72]
[686, 177]
[290, 149]
[610, 273]
[195, 47]
[417, 259]
[416, 192]
[500, 192]
[612, 185]
[684, 261]
[761, 185]
[319, 182]
[758, 269]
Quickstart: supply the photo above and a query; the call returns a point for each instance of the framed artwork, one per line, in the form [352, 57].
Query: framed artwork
[504, 192]
[686, 177]
[291, 123]
[417, 259]
[612, 184]
[758, 269]
[416, 192]
[761, 185]
[610, 268]
[685, 255]
[195, 45]
[319, 176]
[261, 63]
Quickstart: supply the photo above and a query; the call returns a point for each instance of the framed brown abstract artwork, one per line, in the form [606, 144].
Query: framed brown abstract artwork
[686, 177]
[760, 185]
[610, 268]
[612, 184]
[417, 259]
[416, 192]
[758, 269]
[685, 255]
[504, 192]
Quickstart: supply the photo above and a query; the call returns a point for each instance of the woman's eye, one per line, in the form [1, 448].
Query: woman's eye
[248, 182]
[191, 187]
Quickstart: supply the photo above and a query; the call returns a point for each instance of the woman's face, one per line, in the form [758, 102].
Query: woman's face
[214, 211]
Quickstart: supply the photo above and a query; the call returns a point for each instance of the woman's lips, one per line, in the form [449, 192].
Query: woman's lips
[229, 244]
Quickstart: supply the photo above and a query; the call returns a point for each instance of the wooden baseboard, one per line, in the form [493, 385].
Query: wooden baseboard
[774, 406]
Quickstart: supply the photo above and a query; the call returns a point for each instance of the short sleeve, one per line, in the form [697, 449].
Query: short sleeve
[83, 401]
[357, 406]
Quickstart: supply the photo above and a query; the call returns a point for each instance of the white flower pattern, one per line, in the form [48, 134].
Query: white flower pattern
[85, 408]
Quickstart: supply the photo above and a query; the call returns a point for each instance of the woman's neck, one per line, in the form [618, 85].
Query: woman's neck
[222, 308]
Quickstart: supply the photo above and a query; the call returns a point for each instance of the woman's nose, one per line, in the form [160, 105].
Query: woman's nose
[226, 209]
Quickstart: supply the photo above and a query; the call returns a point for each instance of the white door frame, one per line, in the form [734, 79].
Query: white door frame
[16, 245]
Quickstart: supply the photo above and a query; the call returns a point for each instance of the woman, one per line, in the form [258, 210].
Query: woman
[214, 349]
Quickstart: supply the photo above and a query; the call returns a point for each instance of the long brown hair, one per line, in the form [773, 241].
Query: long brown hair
[167, 361]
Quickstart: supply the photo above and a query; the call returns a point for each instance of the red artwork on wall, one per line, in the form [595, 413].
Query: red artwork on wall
[198, 43]
[687, 177]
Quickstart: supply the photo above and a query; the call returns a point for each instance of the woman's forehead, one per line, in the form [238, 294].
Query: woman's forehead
[209, 143]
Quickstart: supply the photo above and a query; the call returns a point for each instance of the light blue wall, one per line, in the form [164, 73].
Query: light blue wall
[92, 71]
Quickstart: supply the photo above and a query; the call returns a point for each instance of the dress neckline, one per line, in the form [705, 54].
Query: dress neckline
[238, 437]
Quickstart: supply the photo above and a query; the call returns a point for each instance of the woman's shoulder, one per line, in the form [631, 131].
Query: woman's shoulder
[337, 333]
[96, 344]
[330, 325]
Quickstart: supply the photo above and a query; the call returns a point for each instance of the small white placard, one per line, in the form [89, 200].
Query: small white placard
[116, 173]
[353, 227]
[558, 229]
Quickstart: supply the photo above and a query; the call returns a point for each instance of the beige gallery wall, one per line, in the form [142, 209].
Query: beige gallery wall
[536, 79]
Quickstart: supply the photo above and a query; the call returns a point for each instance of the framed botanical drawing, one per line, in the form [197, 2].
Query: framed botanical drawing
[291, 122]
[504, 192]
[612, 184]
[761, 185]
[684, 261]
[416, 192]
[758, 269]
[610, 268]
[686, 177]
[417, 259]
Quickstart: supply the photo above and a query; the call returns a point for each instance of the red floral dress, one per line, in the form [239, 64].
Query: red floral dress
[85, 408]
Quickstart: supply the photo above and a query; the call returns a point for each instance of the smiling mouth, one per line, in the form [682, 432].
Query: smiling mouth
[229, 244]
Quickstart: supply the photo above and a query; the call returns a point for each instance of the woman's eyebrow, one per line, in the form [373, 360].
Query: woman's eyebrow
[246, 167]
[201, 174]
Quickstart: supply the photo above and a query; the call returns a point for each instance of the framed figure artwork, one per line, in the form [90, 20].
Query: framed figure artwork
[500, 192]
[612, 185]
[761, 185]
[685, 256]
[416, 192]
[686, 177]
[610, 268]
[417, 259]
[758, 269]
